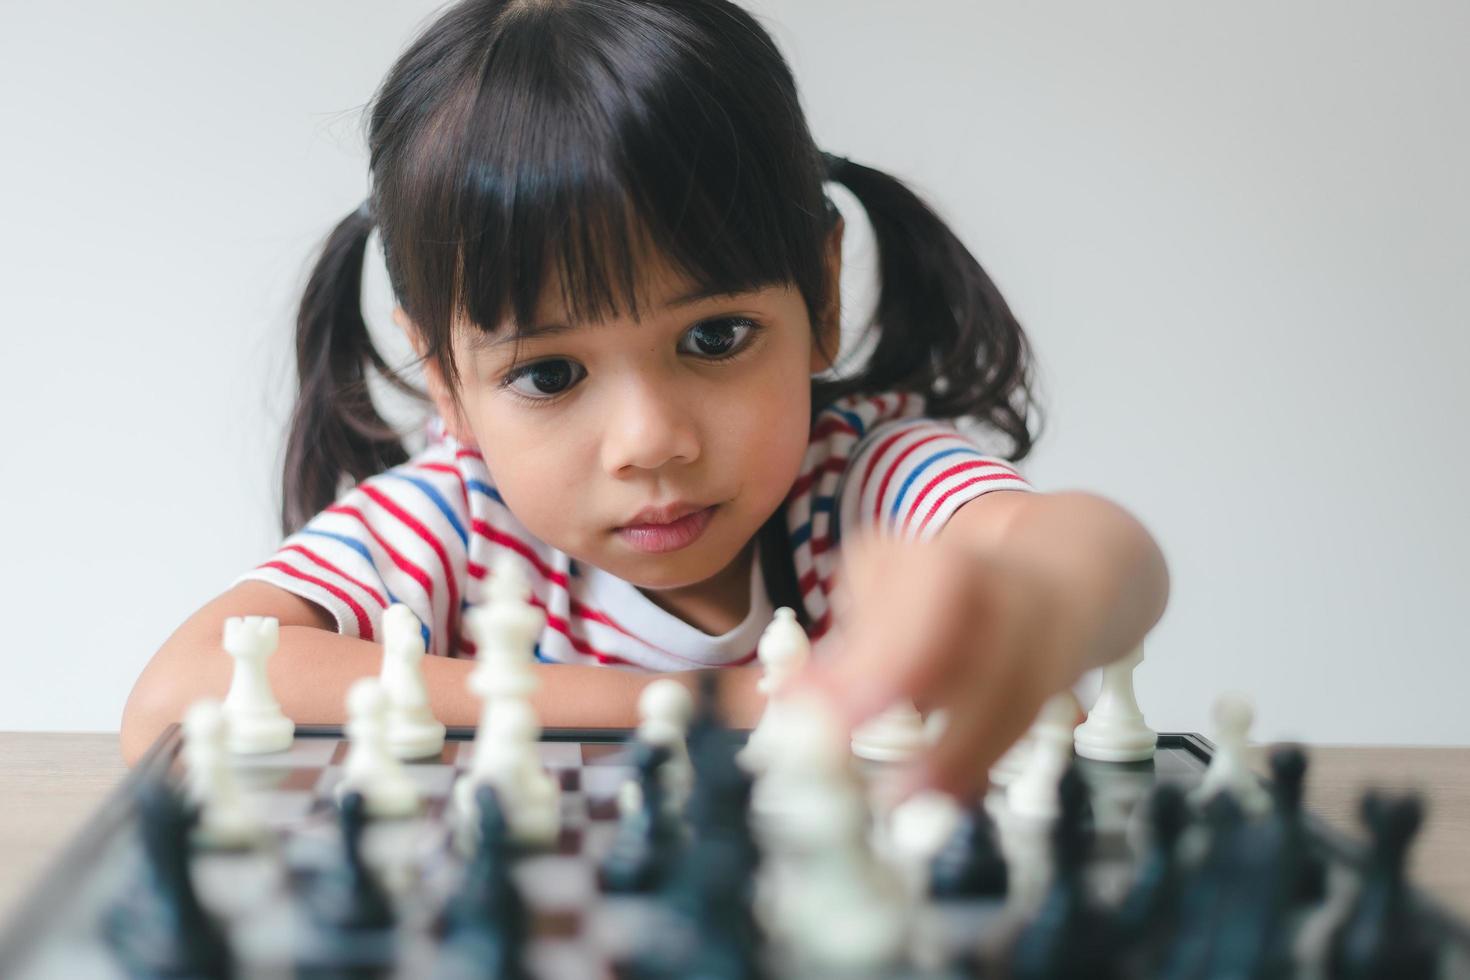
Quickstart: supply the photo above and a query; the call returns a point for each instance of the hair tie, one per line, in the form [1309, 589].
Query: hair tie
[834, 164]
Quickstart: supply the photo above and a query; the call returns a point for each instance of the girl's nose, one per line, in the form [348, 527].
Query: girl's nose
[646, 428]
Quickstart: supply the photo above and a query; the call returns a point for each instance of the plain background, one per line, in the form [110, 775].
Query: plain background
[1237, 234]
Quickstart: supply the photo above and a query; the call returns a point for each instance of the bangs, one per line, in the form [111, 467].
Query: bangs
[587, 150]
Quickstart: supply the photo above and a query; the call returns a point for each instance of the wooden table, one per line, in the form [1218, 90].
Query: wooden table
[51, 784]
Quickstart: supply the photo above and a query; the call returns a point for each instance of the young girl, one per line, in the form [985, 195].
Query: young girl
[607, 235]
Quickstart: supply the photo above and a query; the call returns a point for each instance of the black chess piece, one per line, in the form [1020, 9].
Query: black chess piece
[709, 895]
[970, 864]
[647, 840]
[1070, 935]
[486, 924]
[1147, 911]
[1288, 772]
[1381, 936]
[162, 929]
[1202, 898]
[348, 895]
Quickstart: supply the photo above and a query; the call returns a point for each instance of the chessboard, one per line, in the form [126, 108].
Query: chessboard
[261, 897]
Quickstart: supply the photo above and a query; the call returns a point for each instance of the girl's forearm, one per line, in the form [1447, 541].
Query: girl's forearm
[312, 669]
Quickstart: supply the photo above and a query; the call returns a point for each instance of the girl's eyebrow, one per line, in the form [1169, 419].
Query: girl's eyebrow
[481, 342]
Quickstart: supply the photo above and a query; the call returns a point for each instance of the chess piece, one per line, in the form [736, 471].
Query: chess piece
[1033, 793]
[413, 731]
[895, 734]
[1229, 770]
[1382, 937]
[348, 896]
[505, 628]
[256, 724]
[1115, 730]
[970, 864]
[664, 707]
[226, 818]
[1307, 868]
[506, 758]
[485, 924]
[160, 928]
[1069, 935]
[647, 837]
[783, 651]
[1147, 910]
[371, 769]
[841, 908]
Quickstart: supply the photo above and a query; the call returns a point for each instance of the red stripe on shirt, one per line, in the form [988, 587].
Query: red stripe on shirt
[364, 625]
[1006, 474]
[893, 469]
[319, 560]
[407, 567]
[429, 537]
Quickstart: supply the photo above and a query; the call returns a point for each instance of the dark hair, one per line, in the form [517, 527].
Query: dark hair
[516, 140]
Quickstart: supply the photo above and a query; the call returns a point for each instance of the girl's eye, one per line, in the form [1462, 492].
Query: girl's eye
[713, 340]
[714, 337]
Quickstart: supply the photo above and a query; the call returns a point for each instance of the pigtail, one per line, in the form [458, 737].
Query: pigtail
[336, 429]
[946, 332]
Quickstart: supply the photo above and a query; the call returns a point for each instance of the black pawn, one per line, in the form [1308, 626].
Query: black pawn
[1147, 910]
[348, 896]
[647, 840]
[486, 924]
[163, 930]
[970, 864]
[1381, 938]
[1308, 869]
[1205, 894]
[1069, 937]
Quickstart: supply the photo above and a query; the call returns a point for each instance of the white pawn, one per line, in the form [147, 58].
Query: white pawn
[226, 818]
[256, 724]
[783, 651]
[664, 708]
[893, 735]
[1033, 793]
[506, 758]
[1115, 730]
[505, 628]
[371, 769]
[413, 731]
[1230, 770]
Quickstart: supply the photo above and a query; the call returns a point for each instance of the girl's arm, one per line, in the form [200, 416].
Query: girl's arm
[314, 665]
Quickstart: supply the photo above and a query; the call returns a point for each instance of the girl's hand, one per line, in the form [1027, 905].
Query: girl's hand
[949, 626]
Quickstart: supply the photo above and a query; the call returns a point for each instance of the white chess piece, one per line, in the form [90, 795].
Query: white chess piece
[838, 906]
[226, 817]
[1033, 793]
[783, 651]
[413, 731]
[1115, 730]
[371, 769]
[1230, 769]
[506, 758]
[505, 627]
[893, 735]
[256, 724]
[664, 708]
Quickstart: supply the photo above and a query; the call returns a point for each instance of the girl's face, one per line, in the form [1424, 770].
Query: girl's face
[705, 402]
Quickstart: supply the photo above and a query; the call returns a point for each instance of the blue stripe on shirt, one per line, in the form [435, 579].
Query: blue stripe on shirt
[430, 491]
[904, 489]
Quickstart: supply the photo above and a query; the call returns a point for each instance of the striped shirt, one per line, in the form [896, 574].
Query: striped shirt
[424, 533]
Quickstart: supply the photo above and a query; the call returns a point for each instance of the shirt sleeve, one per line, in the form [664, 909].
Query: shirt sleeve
[909, 475]
[399, 536]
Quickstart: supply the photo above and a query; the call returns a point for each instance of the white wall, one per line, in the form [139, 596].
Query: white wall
[1238, 236]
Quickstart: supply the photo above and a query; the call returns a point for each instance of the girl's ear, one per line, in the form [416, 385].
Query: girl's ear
[830, 327]
[445, 405]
